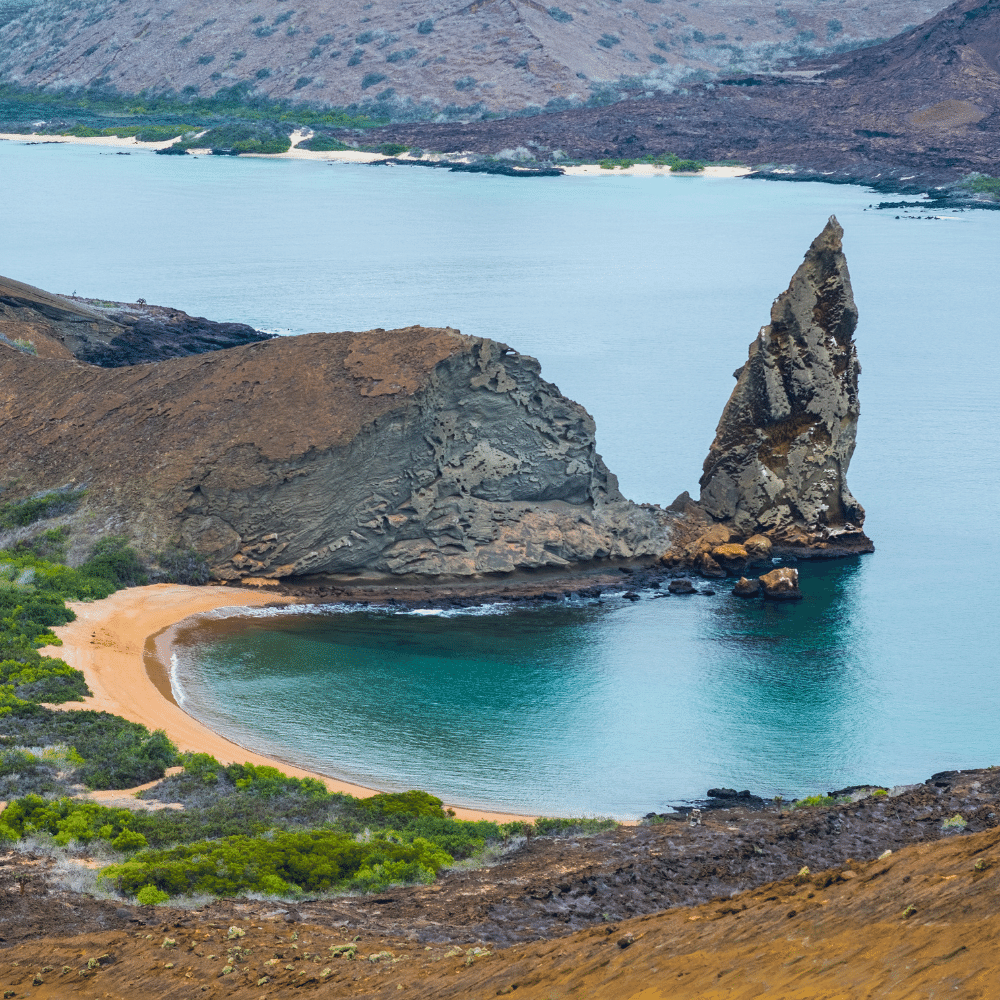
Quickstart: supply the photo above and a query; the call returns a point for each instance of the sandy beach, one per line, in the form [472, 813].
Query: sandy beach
[122, 643]
[360, 156]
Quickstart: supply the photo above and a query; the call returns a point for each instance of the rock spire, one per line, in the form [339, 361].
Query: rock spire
[778, 464]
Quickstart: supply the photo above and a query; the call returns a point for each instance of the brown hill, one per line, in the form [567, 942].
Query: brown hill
[435, 54]
[917, 922]
[409, 451]
[922, 109]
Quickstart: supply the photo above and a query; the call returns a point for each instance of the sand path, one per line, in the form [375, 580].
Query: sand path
[122, 642]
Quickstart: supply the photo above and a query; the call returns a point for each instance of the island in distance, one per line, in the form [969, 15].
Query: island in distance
[419, 454]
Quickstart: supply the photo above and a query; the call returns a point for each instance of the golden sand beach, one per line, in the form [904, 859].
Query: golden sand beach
[122, 645]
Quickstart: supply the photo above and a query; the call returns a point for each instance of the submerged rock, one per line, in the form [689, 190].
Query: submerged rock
[778, 465]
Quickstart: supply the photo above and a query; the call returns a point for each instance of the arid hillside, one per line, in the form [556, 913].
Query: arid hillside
[427, 56]
[574, 917]
[923, 108]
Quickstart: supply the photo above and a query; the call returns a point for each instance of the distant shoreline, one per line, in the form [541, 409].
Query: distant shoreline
[121, 645]
[130, 143]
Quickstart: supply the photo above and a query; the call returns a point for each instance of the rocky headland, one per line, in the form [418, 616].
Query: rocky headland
[109, 334]
[417, 455]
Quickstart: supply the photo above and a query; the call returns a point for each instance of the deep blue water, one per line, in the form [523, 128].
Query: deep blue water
[640, 297]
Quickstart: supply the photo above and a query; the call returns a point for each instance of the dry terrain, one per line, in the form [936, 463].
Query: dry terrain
[429, 55]
[920, 110]
[878, 897]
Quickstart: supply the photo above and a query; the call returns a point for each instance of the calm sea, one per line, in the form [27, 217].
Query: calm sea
[639, 296]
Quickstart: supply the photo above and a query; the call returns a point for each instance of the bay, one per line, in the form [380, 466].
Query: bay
[639, 296]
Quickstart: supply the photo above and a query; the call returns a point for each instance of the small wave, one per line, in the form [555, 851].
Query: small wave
[174, 676]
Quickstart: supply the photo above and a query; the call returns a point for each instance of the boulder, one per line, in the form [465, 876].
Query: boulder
[779, 460]
[746, 588]
[731, 557]
[709, 568]
[781, 584]
[682, 586]
[759, 548]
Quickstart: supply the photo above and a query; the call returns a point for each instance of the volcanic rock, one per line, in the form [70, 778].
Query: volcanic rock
[404, 452]
[110, 334]
[781, 584]
[758, 548]
[682, 586]
[732, 557]
[779, 461]
[746, 588]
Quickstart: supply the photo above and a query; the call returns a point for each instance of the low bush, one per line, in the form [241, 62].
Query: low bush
[20, 513]
[50, 545]
[286, 863]
[393, 149]
[161, 133]
[241, 138]
[114, 560]
[115, 753]
[986, 185]
[178, 565]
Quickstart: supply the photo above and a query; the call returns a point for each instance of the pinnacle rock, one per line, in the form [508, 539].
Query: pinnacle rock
[778, 464]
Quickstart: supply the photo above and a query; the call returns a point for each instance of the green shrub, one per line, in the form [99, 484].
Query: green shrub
[986, 185]
[116, 753]
[50, 545]
[392, 148]
[283, 863]
[114, 560]
[187, 566]
[161, 133]
[20, 513]
[687, 166]
[815, 800]
[550, 827]
[324, 143]
[241, 138]
[149, 895]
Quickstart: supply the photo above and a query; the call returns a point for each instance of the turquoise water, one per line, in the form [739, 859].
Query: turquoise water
[640, 297]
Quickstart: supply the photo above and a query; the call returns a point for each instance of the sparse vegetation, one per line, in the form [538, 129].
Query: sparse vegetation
[814, 800]
[983, 184]
[253, 829]
[20, 513]
[324, 143]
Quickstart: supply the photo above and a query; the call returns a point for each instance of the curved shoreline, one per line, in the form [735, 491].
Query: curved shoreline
[119, 645]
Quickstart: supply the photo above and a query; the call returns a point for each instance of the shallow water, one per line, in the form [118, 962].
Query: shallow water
[640, 297]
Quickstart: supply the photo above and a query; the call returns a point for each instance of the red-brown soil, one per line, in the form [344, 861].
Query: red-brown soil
[579, 918]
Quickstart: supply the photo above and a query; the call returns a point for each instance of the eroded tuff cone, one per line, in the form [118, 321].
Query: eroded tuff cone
[779, 461]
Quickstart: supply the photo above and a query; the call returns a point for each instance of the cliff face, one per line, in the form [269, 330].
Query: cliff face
[778, 465]
[399, 452]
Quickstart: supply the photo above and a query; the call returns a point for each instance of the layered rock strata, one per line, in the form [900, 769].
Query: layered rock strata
[778, 464]
[403, 452]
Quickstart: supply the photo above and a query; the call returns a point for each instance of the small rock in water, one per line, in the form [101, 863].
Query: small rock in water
[683, 586]
[781, 584]
[747, 588]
